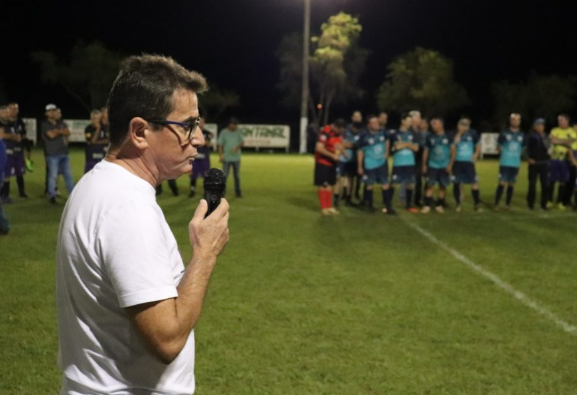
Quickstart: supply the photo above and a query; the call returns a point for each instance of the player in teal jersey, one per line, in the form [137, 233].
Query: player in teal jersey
[436, 161]
[510, 146]
[373, 149]
[347, 167]
[404, 146]
[465, 150]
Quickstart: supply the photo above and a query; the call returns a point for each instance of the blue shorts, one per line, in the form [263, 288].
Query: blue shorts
[438, 176]
[508, 174]
[464, 173]
[347, 169]
[404, 174]
[559, 171]
[15, 165]
[380, 175]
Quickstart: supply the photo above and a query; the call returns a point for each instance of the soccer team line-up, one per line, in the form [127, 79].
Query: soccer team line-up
[350, 156]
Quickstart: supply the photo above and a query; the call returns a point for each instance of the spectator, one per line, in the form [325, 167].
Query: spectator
[96, 140]
[538, 157]
[55, 133]
[202, 161]
[4, 225]
[14, 111]
[230, 142]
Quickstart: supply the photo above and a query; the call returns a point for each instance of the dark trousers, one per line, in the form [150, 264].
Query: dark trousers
[235, 171]
[418, 184]
[570, 186]
[538, 171]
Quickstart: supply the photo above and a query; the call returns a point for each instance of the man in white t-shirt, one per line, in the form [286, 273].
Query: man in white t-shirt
[127, 305]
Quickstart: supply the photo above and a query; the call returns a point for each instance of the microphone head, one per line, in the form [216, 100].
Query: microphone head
[214, 180]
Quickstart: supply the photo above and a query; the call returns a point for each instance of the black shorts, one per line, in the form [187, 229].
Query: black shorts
[438, 176]
[464, 173]
[404, 174]
[347, 169]
[325, 175]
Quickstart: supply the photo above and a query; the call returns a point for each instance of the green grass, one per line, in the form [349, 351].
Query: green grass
[355, 304]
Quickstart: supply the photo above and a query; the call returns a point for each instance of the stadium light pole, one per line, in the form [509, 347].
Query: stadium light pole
[305, 81]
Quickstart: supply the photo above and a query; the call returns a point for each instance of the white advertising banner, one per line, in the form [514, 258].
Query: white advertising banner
[261, 136]
[76, 127]
[30, 124]
[489, 144]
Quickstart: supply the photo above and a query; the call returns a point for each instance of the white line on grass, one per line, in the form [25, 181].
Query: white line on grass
[520, 296]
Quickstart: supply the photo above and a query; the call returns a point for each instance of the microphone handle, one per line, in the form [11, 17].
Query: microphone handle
[213, 199]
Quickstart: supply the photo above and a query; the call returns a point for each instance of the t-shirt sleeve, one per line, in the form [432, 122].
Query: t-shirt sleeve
[136, 255]
[220, 140]
[501, 140]
[428, 144]
[476, 139]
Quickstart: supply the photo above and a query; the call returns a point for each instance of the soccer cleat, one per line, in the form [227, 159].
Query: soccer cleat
[7, 200]
[478, 208]
[4, 232]
[425, 210]
[561, 207]
[440, 209]
[413, 210]
[52, 200]
[24, 196]
[392, 211]
[326, 212]
[29, 165]
[458, 208]
[333, 211]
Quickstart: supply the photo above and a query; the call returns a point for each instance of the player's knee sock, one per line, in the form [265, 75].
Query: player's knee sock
[193, 183]
[561, 193]
[510, 191]
[321, 195]
[408, 197]
[328, 199]
[441, 202]
[387, 197]
[457, 193]
[498, 194]
[5, 191]
[428, 201]
[20, 182]
[391, 195]
[369, 197]
[476, 197]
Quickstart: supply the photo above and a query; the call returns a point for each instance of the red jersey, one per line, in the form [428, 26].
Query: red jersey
[332, 141]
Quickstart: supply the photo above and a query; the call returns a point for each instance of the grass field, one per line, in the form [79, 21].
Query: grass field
[355, 304]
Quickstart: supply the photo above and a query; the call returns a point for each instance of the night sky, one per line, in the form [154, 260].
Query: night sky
[232, 42]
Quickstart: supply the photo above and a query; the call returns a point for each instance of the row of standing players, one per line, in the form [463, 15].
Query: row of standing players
[55, 135]
[346, 156]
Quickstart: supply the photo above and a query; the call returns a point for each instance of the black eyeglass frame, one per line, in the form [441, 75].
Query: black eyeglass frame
[190, 127]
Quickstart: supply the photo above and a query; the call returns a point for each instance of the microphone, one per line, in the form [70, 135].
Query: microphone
[214, 183]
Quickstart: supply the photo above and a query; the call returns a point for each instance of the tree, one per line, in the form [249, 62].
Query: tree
[540, 96]
[336, 64]
[215, 102]
[87, 75]
[422, 79]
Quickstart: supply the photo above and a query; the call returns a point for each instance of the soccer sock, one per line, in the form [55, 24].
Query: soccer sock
[328, 199]
[408, 197]
[561, 193]
[193, 183]
[498, 194]
[441, 202]
[369, 197]
[428, 201]
[386, 201]
[509, 194]
[390, 196]
[321, 195]
[476, 197]
[457, 193]
[5, 191]
[20, 182]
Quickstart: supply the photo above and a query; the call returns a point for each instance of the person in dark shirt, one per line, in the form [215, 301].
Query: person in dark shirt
[202, 160]
[96, 140]
[4, 225]
[55, 133]
[538, 158]
[15, 163]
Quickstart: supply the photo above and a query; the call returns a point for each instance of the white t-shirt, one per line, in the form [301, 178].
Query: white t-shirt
[115, 250]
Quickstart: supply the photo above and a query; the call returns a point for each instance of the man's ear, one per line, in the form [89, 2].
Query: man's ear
[138, 132]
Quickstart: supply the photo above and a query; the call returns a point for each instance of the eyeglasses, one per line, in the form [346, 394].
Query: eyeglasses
[189, 127]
